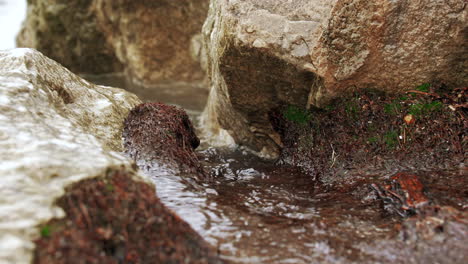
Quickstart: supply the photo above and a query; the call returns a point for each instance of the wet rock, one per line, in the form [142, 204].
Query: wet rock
[66, 31]
[439, 234]
[64, 180]
[55, 129]
[152, 41]
[264, 54]
[153, 38]
[160, 136]
[258, 58]
[404, 194]
[365, 134]
[115, 219]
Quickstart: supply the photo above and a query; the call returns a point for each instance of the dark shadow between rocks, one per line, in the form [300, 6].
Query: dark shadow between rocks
[257, 82]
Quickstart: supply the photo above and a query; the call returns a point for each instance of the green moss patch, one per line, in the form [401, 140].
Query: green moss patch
[297, 115]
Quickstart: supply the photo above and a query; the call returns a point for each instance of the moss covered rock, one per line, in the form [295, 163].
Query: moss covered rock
[161, 136]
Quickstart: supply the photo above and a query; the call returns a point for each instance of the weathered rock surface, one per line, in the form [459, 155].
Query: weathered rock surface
[56, 130]
[160, 136]
[439, 235]
[66, 31]
[393, 45]
[115, 219]
[152, 41]
[264, 54]
[256, 50]
[153, 38]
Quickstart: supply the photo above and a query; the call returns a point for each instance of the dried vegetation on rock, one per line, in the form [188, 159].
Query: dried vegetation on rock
[114, 219]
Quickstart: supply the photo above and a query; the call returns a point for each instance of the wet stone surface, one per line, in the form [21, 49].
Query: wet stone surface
[117, 219]
[254, 211]
[160, 135]
[257, 211]
[404, 194]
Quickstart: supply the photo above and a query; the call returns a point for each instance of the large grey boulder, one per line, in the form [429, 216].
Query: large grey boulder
[55, 129]
[258, 59]
[266, 54]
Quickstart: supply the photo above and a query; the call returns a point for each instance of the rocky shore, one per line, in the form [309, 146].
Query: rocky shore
[68, 193]
[351, 116]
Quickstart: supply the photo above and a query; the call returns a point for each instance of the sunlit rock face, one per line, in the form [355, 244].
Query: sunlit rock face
[152, 41]
[264, 54]
[66, 31]
[55, 129]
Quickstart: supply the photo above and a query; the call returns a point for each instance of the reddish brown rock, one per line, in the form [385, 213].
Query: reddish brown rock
[366, 131]
[403, 195]
[161, 136]
[115, 219]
